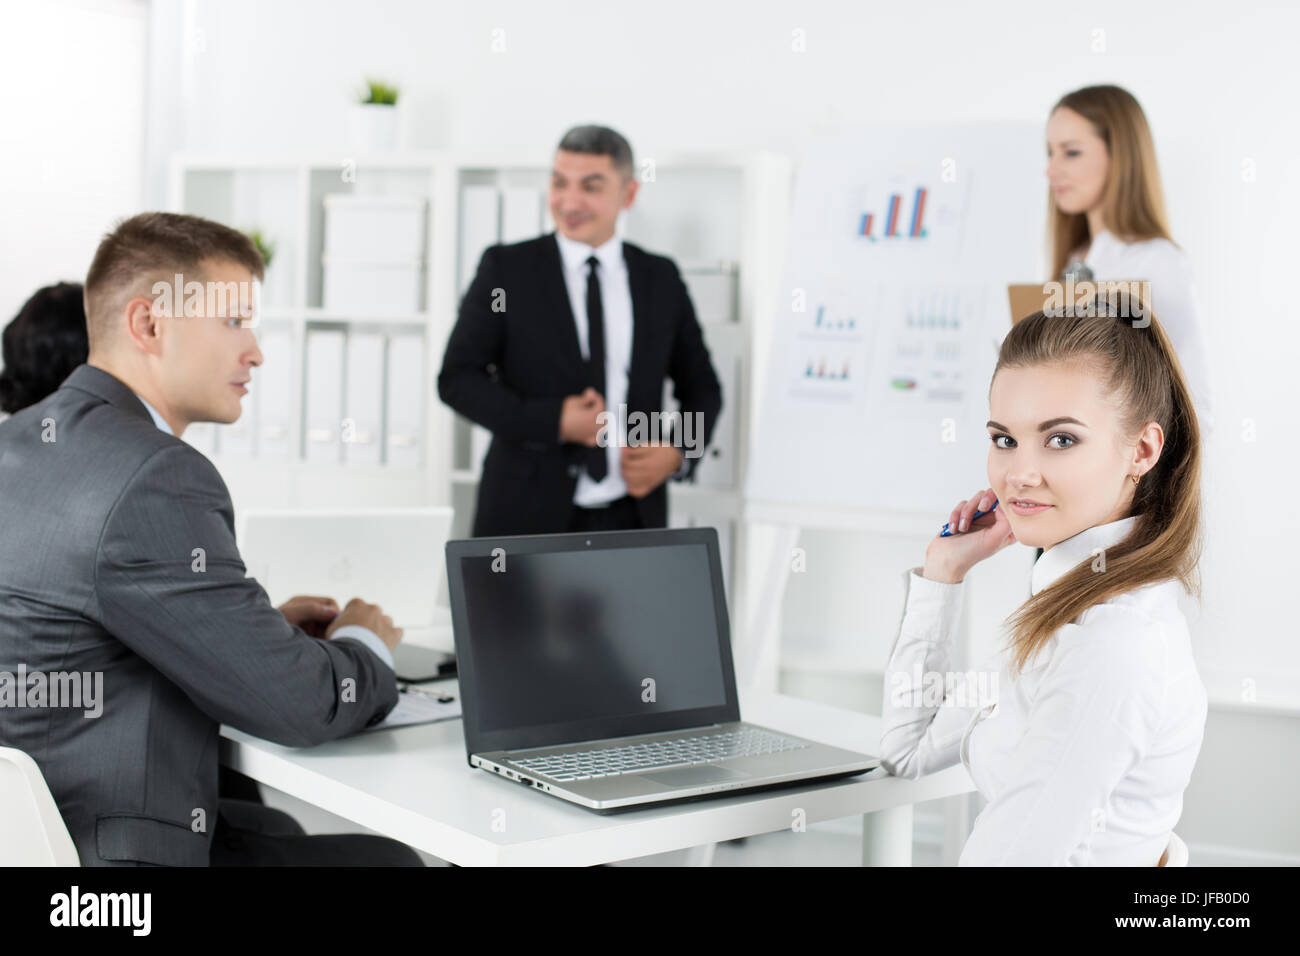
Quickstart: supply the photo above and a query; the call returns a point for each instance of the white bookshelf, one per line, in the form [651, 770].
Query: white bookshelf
[712, 213]
[283, 196]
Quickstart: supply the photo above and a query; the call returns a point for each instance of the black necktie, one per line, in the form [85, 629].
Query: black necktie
[597, 465]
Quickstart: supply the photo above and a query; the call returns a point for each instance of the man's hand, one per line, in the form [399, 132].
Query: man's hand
[369, 616]
[646, 467]
[578, 422]
[312, 614]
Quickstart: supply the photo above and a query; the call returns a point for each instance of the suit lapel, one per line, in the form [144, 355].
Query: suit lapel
[638, 280]
[557, 295]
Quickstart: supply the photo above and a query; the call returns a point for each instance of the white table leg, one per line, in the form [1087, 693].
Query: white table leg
[887, 837]
[699, 855]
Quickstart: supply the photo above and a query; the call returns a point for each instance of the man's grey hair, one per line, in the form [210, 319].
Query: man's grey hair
[600, 141]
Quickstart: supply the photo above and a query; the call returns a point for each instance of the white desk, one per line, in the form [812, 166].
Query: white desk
[413, 784]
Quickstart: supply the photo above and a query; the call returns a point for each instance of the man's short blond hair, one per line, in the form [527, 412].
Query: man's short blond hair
[154, 247]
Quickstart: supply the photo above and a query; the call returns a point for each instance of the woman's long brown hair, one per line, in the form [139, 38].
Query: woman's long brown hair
[1139, 367]
[1133, 204]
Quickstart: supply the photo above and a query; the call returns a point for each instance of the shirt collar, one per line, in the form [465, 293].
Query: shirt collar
[575, 254]
[153, 413]
[1100, 241]
[1063, 557]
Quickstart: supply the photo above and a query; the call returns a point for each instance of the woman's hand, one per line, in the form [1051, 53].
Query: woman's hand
[948, 559]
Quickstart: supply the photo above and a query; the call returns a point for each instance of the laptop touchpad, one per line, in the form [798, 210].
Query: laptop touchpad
[695, 776]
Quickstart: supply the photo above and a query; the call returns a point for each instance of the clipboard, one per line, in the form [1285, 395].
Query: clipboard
[1026, 298]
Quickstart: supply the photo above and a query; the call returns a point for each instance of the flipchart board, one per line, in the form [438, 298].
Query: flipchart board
[902, 245]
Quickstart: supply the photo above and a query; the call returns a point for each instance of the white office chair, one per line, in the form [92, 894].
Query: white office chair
[32, 832]
[1175, 853]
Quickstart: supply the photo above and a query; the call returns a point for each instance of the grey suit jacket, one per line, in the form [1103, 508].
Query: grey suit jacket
[102, 516]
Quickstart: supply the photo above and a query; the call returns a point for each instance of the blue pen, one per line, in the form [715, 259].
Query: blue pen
[945, 533]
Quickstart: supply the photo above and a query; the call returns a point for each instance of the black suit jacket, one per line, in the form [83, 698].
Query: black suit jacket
[103, 519]
[510, 370]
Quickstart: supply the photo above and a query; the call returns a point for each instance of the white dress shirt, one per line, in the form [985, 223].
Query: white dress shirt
[1084, 757]
[1173, 300]
[355, 631]
[616, 312]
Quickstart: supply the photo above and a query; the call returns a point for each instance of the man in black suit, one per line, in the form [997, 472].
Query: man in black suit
[557, 338]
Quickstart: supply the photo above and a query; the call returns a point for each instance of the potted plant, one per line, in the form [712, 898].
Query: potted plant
[273, 282]
[264, 245]
[374, 119]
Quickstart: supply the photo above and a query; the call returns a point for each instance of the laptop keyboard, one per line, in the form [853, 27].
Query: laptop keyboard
[659, 754]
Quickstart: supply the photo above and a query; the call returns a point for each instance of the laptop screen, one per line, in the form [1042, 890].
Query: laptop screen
[560, 640]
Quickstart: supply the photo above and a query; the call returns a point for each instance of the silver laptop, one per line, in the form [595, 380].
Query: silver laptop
[387, 556]
[597, 668]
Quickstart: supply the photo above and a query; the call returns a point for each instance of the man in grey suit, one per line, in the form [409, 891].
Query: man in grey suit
[125, 611]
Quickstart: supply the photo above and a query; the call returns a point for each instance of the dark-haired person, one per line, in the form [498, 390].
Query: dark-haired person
[120, 561]
[1085, 744]
[45, 341]
[1107, 211]
[555, 331]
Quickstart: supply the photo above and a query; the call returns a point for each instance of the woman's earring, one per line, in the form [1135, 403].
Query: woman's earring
[1135, 478]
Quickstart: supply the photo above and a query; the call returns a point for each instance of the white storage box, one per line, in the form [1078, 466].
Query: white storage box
[367, 287]
[378, 228]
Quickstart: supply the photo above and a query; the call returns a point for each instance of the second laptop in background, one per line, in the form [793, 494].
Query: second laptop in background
[392, 557]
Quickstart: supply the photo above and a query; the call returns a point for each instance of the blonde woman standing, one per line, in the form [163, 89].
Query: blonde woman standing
[1099, 711]
[1107, 211]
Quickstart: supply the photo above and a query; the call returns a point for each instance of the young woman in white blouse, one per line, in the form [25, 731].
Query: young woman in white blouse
[1107, 211]
[1099, 714]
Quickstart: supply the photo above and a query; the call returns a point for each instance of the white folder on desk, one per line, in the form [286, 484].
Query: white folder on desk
[420, 706]
[406, 386]
[324, 395]
[273, 387]
[363, 412]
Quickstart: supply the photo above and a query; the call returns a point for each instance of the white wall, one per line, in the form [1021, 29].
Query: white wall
[72, 105]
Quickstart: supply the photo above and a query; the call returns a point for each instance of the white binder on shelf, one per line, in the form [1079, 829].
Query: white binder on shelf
[521, 213]
[717, 467]
[324, 396]
[273, 387]
[362, 432]
[479, 440]
[406, 400]
[480, 214]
